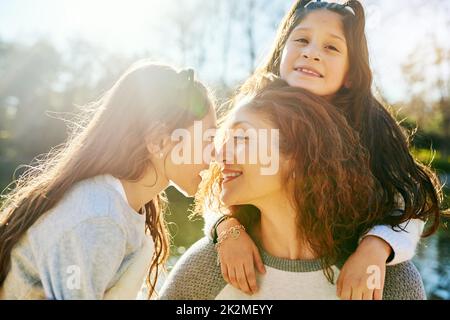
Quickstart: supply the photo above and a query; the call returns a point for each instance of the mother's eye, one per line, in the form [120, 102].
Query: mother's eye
[241, 138]
[332, 48]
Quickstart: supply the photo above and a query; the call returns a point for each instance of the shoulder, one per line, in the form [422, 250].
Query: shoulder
[196, 275]
[94, 195]
[88, 204]
[403, 282]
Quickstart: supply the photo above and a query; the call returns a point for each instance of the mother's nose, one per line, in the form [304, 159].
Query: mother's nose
[224, 153]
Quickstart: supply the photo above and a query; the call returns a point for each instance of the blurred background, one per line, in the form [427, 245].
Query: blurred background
[55, 55]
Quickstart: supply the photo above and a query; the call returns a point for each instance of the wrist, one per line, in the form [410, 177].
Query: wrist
[227, 224]
[233, 232]
[222, 224]
[376, 244]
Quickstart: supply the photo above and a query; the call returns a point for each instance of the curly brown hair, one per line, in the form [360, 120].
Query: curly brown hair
[333, 189]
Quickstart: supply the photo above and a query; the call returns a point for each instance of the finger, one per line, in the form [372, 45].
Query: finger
[346, 292]
[232, 277]
[367, 295]
[339, 285]
[357, 293]
[378, 294]
[258, 261]
[242, 280]
[251, 278]
[224, 270]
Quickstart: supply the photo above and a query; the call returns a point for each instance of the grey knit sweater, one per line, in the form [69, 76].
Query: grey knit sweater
[196, 276]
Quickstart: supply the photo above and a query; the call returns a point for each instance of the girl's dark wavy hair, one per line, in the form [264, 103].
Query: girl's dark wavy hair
[395, 169]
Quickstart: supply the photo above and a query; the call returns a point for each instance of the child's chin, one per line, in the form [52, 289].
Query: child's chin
[187, 192]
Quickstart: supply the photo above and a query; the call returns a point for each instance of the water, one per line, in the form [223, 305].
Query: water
[433, 258]
[433, 262]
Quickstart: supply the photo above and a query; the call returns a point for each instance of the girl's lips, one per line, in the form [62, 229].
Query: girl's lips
[308, 72]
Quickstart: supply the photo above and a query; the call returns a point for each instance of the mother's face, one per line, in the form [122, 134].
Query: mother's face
[251, 163]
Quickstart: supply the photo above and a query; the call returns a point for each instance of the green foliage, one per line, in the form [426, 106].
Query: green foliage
[184, 231]
[436, 159]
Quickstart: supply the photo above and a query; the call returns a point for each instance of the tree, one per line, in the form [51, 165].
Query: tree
[428, 75]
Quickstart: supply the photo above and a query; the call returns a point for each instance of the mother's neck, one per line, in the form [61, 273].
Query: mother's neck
[278, 232]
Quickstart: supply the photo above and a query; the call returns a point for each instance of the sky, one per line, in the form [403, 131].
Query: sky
[395, 29]
[117, 25]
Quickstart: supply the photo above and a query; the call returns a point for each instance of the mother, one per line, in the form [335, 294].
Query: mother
[306, 218]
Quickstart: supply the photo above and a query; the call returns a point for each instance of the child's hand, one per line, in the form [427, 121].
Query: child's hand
[352, 283]
[238, 258]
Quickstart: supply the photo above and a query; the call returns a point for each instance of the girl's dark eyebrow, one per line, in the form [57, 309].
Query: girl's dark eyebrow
[332, 35]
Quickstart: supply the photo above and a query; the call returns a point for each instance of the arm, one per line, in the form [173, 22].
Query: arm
[352, 284]
[381, 246]
[211, 218]
[195, 276]
[82, 264]
[403, 243]
[238, 257]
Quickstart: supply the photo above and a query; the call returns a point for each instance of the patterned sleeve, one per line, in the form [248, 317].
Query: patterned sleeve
[403, 282]
[196, 275]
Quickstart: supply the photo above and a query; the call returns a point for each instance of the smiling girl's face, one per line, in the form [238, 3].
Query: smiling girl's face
[315, 56]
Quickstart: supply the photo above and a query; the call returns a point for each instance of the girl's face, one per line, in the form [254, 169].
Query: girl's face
[315, 56]
[196, 147]
[247, 133]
